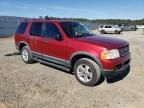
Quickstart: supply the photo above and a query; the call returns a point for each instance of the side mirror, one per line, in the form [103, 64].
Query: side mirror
[59, 37]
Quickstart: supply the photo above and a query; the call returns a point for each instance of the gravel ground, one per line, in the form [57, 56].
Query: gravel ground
[40, 86]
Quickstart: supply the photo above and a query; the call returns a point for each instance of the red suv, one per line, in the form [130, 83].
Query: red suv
[70, 46]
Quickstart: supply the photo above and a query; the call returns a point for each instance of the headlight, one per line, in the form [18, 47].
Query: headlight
[110, 54]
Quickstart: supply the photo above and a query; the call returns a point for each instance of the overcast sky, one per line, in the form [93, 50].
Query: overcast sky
[92, 9]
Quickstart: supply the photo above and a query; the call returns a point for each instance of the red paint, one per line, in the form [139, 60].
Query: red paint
[64, 49]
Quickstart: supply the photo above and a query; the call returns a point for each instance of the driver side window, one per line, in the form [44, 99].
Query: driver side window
[78, 30]
[50, 30]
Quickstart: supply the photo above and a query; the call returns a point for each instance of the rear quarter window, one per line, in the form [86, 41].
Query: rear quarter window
[21, 28]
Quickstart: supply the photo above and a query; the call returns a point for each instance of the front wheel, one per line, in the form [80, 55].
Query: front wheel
[117, 32]
[87, 72]
[102, 32]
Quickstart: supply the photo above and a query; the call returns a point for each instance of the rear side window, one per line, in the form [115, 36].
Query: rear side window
[36, 29]
[22, 27]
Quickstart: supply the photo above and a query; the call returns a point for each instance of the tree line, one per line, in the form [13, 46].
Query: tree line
[100, 21]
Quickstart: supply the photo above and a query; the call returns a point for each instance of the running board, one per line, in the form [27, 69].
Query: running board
[53, 64]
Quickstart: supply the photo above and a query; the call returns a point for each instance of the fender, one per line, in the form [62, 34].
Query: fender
[87, 54]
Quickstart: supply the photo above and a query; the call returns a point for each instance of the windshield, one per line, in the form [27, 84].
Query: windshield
[75, 29]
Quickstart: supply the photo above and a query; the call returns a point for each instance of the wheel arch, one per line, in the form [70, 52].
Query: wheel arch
[78, 55]
[22, 44]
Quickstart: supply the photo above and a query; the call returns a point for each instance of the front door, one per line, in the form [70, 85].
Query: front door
[53, 48]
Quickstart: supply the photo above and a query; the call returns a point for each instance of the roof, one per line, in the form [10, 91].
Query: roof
[44, 20]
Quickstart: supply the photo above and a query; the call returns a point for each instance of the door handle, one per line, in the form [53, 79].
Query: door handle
[45, 41]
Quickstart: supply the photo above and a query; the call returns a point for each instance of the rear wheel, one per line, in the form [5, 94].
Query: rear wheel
[87, 72]
[26, 55]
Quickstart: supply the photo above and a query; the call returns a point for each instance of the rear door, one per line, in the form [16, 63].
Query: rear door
[35, 37]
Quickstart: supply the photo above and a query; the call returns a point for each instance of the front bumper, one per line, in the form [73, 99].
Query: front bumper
[116, 67]
[115, 73]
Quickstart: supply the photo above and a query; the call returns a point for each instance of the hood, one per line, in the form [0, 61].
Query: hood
[103, 41]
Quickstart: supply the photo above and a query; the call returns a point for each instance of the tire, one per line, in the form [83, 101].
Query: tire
[117, 32]
[90, 72]
[102, 32]
[26, 55]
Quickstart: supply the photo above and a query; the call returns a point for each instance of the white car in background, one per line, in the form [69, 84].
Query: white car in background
[140, 26]
[109, 29]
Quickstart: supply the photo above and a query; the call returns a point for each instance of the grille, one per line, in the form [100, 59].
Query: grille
[124, 50]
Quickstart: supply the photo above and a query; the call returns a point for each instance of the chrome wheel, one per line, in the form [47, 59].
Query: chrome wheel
[25, 55]
[84, 73]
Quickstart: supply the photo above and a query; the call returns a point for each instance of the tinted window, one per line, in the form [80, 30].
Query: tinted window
[106, 26]
[51, 31]
[68, 28]
[36, 29]
[22, 27]
[75, 29]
